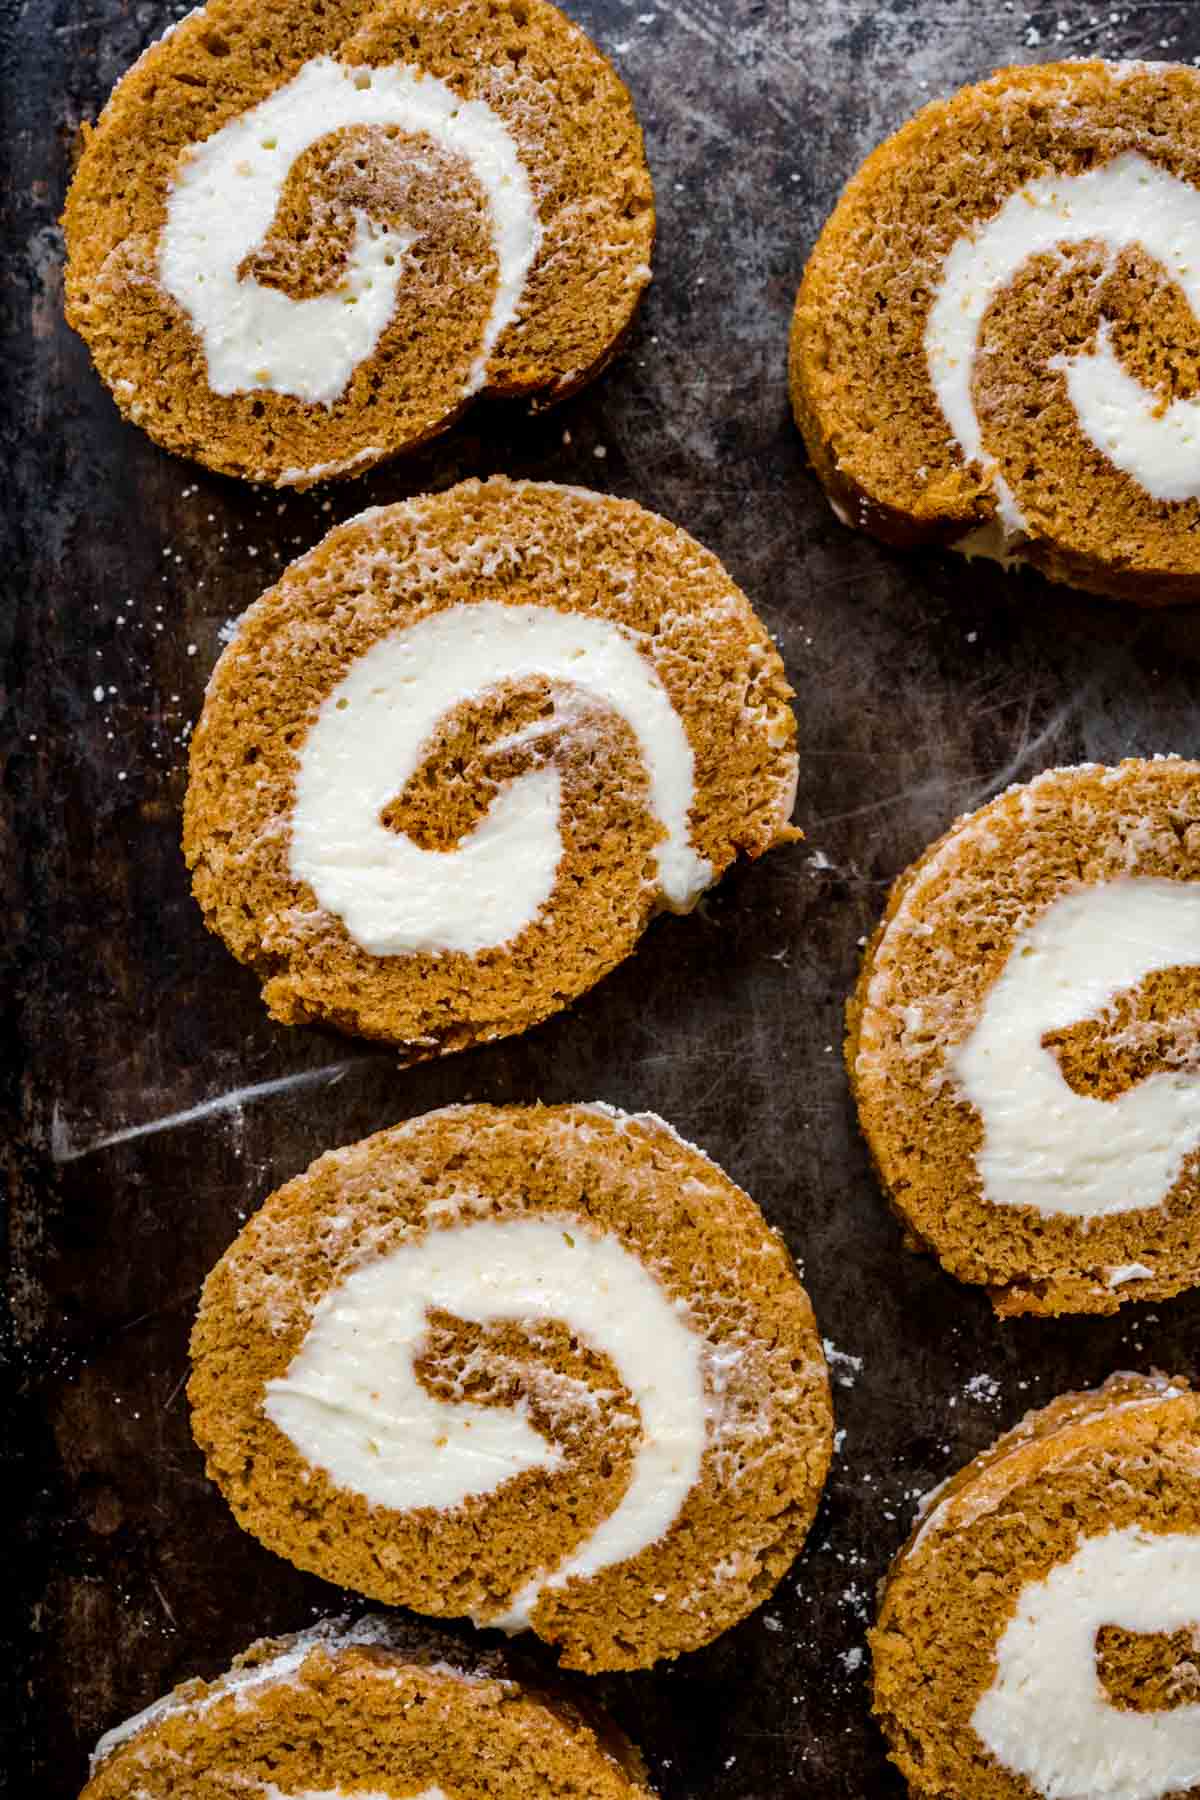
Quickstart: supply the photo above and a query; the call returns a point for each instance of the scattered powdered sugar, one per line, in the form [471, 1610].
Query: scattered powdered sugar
[856, 1599]
[844, 1367]
[983, 1388]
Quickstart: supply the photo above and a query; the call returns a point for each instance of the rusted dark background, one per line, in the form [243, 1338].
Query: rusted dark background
[923, 687]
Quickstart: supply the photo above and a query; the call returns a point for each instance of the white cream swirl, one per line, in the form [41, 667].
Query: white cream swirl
[396, 897]
[1046, 1715]
[1126, 203]
[1044, 1145]
[227, 188]
[352, 1405]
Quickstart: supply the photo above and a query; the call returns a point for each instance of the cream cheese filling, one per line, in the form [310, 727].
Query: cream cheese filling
[224, 196]
[1044, 1145]
[1128, 202]
[351, 1403]
[1046, 1715]
[394, 896]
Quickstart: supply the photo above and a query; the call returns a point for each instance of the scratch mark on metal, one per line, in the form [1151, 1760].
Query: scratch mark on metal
[64, 1150]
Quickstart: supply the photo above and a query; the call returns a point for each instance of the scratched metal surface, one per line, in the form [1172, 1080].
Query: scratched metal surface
[921, 689]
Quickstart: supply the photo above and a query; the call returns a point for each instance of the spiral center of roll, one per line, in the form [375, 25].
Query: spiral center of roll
[1044, 1145]
[352, 1404]
[1046, 1714]
[371, 733]
[1125, 203]
[225, 194]
[1149, 1671]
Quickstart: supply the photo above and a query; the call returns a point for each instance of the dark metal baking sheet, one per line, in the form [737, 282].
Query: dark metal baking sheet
[922, 686]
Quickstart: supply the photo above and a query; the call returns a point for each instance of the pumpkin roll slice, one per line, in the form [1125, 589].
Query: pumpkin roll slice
[1018, 271]
[301, 239]
[1037, 1635]
[544, 1367]
[348, 1712]
[1024, 1041]
[453, 763]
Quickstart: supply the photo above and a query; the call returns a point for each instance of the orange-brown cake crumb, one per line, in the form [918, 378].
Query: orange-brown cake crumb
[545, 1367]
[1037, 1633]
[354, 1710]
[996, 344]
[1023, 1041]
[583, 651]
[299, 240]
